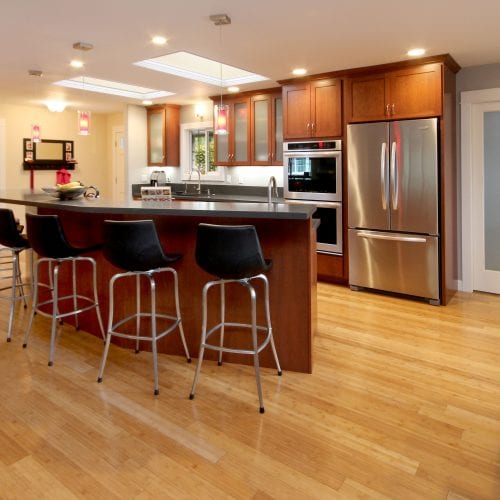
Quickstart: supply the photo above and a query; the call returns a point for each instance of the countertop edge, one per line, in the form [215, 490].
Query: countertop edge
[183, 208]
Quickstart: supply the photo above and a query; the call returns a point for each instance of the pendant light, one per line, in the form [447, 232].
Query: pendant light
[83, 116]
[83, 122]
[221, 111]
[35, 127]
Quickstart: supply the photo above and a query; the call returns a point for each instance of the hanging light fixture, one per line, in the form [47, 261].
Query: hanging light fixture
[83, 116]
[35, 133]
[35, 127]
[83, 122]
[221, 111]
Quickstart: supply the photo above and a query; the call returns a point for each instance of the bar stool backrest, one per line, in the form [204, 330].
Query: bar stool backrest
[47, 238]
[9, 234]
[134, 246]
[230, 252]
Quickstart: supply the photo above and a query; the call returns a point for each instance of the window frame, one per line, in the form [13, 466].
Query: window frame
[186, 129]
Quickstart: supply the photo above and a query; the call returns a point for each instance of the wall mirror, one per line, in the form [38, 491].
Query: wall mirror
[49, 154]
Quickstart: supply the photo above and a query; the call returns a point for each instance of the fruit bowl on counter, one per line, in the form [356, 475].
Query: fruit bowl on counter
[68, 191]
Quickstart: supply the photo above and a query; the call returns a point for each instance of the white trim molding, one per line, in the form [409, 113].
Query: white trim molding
[471, 128]
[186, 152]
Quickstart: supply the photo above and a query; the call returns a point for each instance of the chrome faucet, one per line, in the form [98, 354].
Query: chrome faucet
[197, 170]
[272, 189]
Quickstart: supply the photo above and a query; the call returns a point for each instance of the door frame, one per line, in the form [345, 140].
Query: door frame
[469, 144]
[118, 129]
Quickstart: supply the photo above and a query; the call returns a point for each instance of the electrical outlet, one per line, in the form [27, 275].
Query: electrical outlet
[144, 178]
[241, 180]
[228, 179]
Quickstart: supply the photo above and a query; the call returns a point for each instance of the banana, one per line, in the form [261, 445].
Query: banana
[69, 185]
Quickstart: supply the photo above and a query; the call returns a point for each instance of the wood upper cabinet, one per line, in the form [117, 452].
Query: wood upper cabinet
[412, 92]
[233, 148]
[312, 109]
[163, 135]
[266, 129]
[255, 129]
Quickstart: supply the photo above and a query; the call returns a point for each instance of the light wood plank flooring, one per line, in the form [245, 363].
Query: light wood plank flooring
[404, 403]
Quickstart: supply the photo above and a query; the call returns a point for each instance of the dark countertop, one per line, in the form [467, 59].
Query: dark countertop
[177, 207]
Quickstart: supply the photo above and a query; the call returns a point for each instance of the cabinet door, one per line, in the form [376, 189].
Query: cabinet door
[172, 136]
[415, 92]
[240, 132]
[261, 117]
[156, 136]
[367, 100]
[277, 131]
[297, 111]
[326, 116]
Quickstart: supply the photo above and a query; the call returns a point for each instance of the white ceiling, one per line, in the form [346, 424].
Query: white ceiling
[268, 37]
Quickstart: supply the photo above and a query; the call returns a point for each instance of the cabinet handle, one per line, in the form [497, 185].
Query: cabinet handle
[392, 108]
[269, 156]
[308, 126]
[387, 109]
[312, 126]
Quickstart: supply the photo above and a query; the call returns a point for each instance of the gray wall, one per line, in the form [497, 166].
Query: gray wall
[478, 78]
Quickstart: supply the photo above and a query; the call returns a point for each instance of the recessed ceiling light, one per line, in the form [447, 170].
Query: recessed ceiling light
[76, 64]
[147, 103]
[114, 88]
[233, 89]
[299, 71]
[416, 52]
[201, 69]
[159, 40]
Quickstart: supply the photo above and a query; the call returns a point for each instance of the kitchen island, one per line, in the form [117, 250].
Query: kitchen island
[288, 237]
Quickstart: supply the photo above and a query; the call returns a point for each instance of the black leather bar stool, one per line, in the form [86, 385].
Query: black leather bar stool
[233, 254]
[14, 243]
[47, 238]
[134, 247]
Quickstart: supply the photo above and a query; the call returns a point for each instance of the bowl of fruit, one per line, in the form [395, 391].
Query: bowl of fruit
[68, 191]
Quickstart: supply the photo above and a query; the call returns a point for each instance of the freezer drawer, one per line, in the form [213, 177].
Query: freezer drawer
[394, 262]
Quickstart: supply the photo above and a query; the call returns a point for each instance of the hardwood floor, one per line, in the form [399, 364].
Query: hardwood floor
[403, 403]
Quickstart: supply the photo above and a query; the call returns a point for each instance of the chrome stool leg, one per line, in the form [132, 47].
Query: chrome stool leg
[34, 301]
[222, 319]
[203, 337]
[138, 310]
[152, 285]
[110, 326]
[253, 300]
[55, 314]
[263, 277]
[178, 313]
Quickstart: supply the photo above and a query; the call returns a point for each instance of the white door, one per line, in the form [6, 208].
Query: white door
[483, 158]
[118, 162]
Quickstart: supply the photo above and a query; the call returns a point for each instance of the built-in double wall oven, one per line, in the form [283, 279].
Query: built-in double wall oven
[313, 174]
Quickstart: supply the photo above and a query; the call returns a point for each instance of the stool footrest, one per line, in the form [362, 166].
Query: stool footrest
[130, 336]
[217, 327]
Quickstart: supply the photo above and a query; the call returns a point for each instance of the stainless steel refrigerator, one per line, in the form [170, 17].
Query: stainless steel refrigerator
[393, 207]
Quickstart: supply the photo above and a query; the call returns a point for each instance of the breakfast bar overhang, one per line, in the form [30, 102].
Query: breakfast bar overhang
[288, 237]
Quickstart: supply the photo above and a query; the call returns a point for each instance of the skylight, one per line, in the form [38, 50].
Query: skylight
[114, 88]
[199, 68]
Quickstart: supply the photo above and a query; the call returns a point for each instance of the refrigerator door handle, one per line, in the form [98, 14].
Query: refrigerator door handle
[383, 236]
[383, 176]
[394, 177]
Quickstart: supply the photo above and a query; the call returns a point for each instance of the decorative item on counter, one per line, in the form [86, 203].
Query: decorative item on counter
[156, 193]
[83, 122]
[63, 176]
[35, 133]
[67, 191]
[91, 192]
